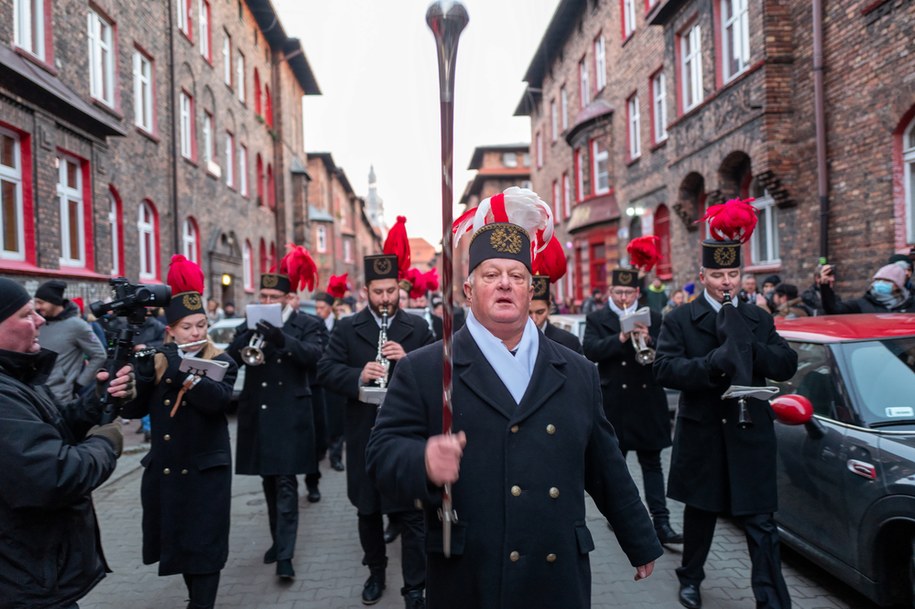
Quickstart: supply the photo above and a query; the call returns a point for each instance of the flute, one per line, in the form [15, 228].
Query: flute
[196, 343]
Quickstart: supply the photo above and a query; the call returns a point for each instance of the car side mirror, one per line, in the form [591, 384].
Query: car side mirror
[792, 409]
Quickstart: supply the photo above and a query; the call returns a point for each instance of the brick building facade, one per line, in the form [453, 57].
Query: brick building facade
[131, 132]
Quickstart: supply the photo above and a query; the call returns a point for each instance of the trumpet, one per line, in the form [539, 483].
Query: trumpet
[644, 354]
[382, 339]
[253, 354]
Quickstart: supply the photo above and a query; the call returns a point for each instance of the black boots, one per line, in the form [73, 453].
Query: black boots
[666, 534]
[270, 556]
[394, 528]
[284, 569]
[374, 586]
[413, 599]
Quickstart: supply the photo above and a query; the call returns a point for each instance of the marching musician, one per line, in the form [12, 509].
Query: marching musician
[718, 465]
[634, 402]
[353, 359]
[187, 480]
[540, 313]
[276, 435]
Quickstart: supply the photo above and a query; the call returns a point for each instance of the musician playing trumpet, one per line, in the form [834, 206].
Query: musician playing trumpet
[186, 487]
[634, 402]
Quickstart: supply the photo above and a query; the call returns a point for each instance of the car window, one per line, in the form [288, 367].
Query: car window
[814, 380]
[223, 334]
[882, 378]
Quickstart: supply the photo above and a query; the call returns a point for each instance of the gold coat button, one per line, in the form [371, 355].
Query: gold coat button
[554, 492]
[280, 383]
[551, 429]
[167, 437]
[279, 361]
[644, 386]
[623, 363]
[514, 428]
[264, 384]
[167, 402]
[516, 491]
[263, 407]
[724, 421]
[514, 556]
[166, 471]
[624, 385]
[184, 402]
[551, 557]
[168, 381]
[183, 472]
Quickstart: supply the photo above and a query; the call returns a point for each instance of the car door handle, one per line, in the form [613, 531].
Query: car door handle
[862, 468]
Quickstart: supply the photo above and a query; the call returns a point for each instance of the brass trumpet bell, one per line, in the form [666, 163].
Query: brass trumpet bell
[253, 354]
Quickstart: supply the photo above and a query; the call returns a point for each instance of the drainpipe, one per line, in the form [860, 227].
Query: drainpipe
[174, 127]
[820, 120]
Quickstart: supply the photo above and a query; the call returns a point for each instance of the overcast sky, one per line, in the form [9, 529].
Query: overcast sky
[375, 62]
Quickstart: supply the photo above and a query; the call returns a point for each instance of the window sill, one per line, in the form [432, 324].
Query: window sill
[38, 61]
[658, 145]
[103, 105]
[24, 267]
[147, 134]
[189, 161]
[633, 160]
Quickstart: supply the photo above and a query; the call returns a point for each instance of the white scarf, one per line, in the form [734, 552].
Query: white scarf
[513, 370]
[620, 312]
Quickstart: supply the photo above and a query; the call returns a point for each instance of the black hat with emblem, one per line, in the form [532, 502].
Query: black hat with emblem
[186, 281]
[297, 271]
[625, 278]
[276, 281]
[500, 240]
[730, 225]
[380, 266]
[541, 285]
[395, 260]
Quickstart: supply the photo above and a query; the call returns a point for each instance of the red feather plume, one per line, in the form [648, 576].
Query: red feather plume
[431, 279]
[551, 261]
[733, 220]
[398, 244]
[184, 275]
[337, 285]
[644, 252]
[298, 265]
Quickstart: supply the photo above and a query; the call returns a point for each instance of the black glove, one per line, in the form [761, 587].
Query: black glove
[720, 362]
[111, 432]
[272, 334]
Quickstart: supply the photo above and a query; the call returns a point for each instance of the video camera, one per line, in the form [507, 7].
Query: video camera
[130, 301]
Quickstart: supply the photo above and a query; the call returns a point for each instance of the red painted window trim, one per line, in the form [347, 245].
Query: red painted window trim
[271, 187]
[257, 92]
[259, 177]
[262, 255]
[119, 227]
[268, 106]
[28, 198]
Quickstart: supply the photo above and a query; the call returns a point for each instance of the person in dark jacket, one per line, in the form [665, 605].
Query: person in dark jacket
[634, 402]
[186, 490]
[886, 294]
[540, 314]
[54, 455]
[529, 439]
[718, 467]
[276, 435]
[348, 364]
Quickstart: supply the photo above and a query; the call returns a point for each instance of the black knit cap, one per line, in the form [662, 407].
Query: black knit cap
[12, 297]
[541, 285]
[380, 266]
[500, 240]
[625, 278]
[52, 291]
[721, 254]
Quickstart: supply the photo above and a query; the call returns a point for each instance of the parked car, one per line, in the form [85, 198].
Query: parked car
[221, 333]
[846, 479]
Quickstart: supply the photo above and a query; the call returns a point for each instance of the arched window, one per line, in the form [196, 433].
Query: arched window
[147, 227]
[268, 106]
[908, 161]
[262, 256]
[271, 187]
[247, 263]
[116, 230]
[190, 240]
[257, 92]
[259, 175]
[662, 231]
[274, 263]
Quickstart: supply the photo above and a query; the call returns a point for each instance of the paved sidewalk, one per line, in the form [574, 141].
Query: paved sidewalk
[329, 574]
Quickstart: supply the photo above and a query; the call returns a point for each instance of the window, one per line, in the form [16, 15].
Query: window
[259, 179]
[184, 16]
[659, 107]
[509, 159]
[600, 169]
[116, 230]
[72, 206]
[268, 106]
[271, 187]
[662, 231]
[579, 176]
[564, 106]
[584, 86]
[764, 241]
[554, 121]
[691, 67]
[262, 256]
[12, 225]
[557, 203]
[908, 176]
[539, 150]
[227, 58]
[635, 125]
[735, 36]
[101, 59]
[186, 117]
[149, 248]
[190, 240]
[240, 75]
[243, 170]
[230, 160]
[628, 18]
[209, 144]
[322, 239]
[600, 62]
[29, 34]
[142, 92]
[257, 92]
[205, 35]
[247, 266]
[347, 250]
[566, 196]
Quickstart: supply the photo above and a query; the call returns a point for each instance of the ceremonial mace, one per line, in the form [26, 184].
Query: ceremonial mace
[446, 19]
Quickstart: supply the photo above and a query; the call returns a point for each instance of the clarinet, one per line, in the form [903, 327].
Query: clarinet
[382, 339]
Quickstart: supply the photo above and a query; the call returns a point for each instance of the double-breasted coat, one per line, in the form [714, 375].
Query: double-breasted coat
[521, 539]
[353, 343]
[186, 489]
[634, 402]
[276, 434]
[714, 465]
[564, 338]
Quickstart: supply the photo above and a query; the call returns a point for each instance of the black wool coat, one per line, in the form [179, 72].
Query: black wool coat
[521, 539]
[353, 343]
[276, 434]
[187, 481]
[564, 338]
[634, 402]
[714, 465]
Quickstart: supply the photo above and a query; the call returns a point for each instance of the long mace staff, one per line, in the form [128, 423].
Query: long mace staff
[447, 19]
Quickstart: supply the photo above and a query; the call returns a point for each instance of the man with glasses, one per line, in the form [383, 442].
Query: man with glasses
[634, 403]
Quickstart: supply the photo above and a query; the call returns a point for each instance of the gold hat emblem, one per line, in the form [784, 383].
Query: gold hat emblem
[191, 302]
[625, 277]
[506, 240]
[270, 281]
[381, 266]
[726, 256]
[541, 287]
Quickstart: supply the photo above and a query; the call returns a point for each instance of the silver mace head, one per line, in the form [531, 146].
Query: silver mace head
[447, 19]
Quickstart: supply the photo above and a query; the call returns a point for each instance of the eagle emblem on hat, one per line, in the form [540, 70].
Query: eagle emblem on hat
[625, 278]
[381, 266]
[725, 256]
[270, 281]
[191, 302]
[506, 240]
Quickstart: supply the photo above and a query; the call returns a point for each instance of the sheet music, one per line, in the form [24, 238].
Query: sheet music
[640, 316]
[272, 313]
[210, 368]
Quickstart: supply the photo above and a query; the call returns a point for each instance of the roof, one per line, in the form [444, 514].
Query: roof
[840, 328]
[316, 214]
[269, 23]
[663, 11]
[478, 152]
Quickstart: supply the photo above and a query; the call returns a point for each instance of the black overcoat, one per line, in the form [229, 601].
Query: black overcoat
[634, 402]
[276, 434]
[714, 465]
[521, 540]
[187, 481]
[564, 338]
[353, 343]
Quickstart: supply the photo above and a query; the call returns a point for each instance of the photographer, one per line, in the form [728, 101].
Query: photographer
[53, 457]
[886, 293]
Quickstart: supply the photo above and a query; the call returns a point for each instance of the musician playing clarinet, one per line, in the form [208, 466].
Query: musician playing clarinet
[187, 480]
[354, 365]
[724, 453]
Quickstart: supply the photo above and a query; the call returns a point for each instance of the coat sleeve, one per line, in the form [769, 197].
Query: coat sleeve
[334, 369]
[774, 359]
[833, 306]
[307, 344]
[673, 368]
[598, 343]
[144, 370]
[239, 342]
[213, 397]
[91, 347]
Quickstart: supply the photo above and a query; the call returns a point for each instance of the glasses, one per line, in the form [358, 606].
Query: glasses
[623, 293]
[271, 297]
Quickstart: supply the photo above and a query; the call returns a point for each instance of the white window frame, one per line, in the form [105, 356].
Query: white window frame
[659, 105]
[183, 22]
[539, 149]
[146, 229]
[554, 120]
[347, 250]
[628, 18]
[66, 195]
[600, 63]
[203, 10]
[564, 107]
[579, 175]
[243, 169]
[321, 239]
[101, 58]
[227, 58]
[240, 76]
[28, 17]
[114, 223]
[230, 159]
[635, 126]
[143, 115]
[189, 240]
[13, 174]
[691, 67]
[600, 175]
[557, 202]
[584, 83]
[735, 36]
[247, 264]
[186, 124]
[566, 196]
[908, 172]
[768, 214]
